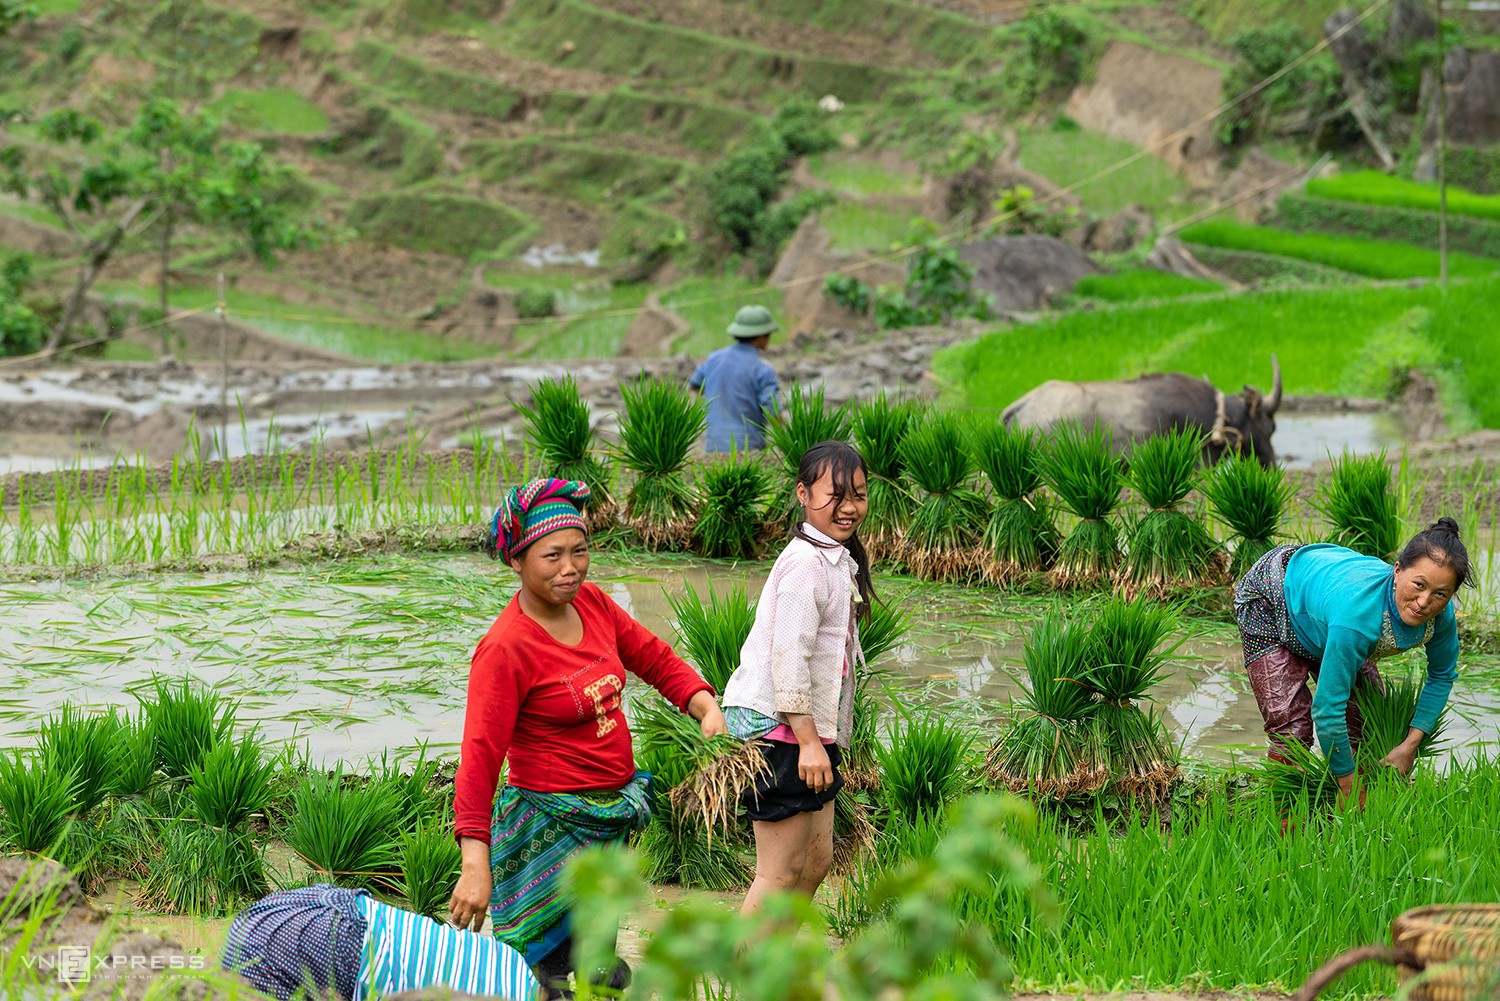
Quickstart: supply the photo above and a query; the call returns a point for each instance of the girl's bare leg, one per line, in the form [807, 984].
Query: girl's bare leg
[781, 857]
[819, 850]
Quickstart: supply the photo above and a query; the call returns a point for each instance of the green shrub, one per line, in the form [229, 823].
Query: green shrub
[1374, 258]
[1261, 53]
[803, 127]
[536, 303]
[22, 331]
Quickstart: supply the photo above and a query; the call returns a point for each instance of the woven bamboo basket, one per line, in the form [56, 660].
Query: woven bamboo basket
[1450, 952]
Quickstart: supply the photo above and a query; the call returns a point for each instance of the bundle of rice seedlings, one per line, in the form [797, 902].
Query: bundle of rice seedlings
[347, 836]
[1357, 500]
[202, 870]
[1044, 750]
[730, 518]
[710, 636]
[1080, 468]
[687, 855]
[854, 830]
[662, 421]
[431, 863]
[805, 420]
[87, 746]
[882, 631]
[943, 541]
[1387, 718]
[1168, 546]
[880, 426]
[861, 767]
[558, 428]
[186, 723]
[1021, 536]
[135, 757]
[412, 784]
[37, 798]
[1304, 776]
[233, 782]
[922, 767]
[1252, 500]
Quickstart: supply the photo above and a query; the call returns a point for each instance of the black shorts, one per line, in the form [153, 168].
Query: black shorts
[782, 793]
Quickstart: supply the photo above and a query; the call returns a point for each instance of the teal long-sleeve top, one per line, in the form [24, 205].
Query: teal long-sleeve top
[1342, 607]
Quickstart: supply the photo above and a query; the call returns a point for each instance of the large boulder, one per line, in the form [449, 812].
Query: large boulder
[1024, 272]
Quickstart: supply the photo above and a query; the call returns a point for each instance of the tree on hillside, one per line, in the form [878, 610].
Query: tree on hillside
[167, 169]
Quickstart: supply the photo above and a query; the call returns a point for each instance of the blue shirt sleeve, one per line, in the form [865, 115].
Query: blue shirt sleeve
[767, 390]
[696, 382]
[1343, 653]
[1442, 669]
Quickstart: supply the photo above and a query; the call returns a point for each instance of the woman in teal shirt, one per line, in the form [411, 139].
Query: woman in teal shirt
[1328, 613]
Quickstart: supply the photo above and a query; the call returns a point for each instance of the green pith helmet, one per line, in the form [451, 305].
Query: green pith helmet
[752, 321]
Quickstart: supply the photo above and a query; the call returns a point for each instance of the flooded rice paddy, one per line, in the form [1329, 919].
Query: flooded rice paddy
[351, 659]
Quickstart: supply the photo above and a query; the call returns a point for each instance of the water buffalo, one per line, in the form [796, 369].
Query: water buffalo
[1141, 407]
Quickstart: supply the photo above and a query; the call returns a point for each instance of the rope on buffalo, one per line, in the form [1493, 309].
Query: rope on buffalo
[1222, 434]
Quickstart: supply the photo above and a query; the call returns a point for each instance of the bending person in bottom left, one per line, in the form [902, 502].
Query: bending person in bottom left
[314, 940]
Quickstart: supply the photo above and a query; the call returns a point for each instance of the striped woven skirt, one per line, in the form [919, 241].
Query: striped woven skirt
[532, 835]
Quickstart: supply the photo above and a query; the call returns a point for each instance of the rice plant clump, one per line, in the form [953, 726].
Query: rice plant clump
[662, 422]
[1387, 713]
[711, 635]
[1021, 536]
[431, 863]
[730, 519]
[922, 767]
[87, 747]
[1085, 475]
[558, 428]
[1043, 752]
[882, 631]
[203, 870]
[1357, 500]
[186, 723]
[1252, 500]
[880, 426]
[37, 798]
[1126, 659]
[135, 757]
[348, 836]
[233, 782]
[943, 541]
[1168, 547]
[1302, 776]
[806, 419]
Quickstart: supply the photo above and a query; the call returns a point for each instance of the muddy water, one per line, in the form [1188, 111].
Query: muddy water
[1304, 440]
[352, 660]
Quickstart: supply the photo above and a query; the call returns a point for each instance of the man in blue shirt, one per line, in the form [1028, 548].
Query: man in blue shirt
[739, 384]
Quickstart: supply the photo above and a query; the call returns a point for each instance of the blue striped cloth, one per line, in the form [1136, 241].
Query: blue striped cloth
[405, 951]
[309, 939]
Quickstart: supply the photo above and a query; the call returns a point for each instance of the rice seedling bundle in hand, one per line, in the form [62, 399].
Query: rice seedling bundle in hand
[1080, 468]
[710, 635]
[348, 836]
[431, 862]
[1126, 660]
[1021, 533]
[805, 420]
[922, 768]
[1044, 751]
[1387, 718]
[880, 426]
[1304, 775]
[731, 515]
[203, 870]
[943, 540]
[558, 428]
[1252, 500]
[661, 424]
[1357, 500]
[187, 722]
[233, 782]
[37, 798]
[88, 747]
[1168, 546]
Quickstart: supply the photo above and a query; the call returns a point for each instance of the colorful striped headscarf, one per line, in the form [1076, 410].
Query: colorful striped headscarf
[533, 510]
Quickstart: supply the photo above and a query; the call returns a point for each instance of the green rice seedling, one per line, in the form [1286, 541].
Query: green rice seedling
[1021, 535]
[1304, 776]
[558, 429]
[880, 425]
[862, 761]
[1358, 502]
[686, 855]
[884, 630]
[346, 835]
[412, 784]
[135, 757]
[203, 870]
[662, 421]
[1252, 500]
[943, 541]
[1080, 468]
[186, 722]
[730, 516]
[1126, 659]
[233, 782]
[711, 635]
[87, 747]
[431, 863]
[922, 766]
[1044, 751]
[1387, 717]
[37, 797]
[805, 419]
[1168, 547]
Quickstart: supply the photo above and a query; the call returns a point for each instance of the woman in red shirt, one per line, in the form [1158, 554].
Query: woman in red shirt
[544, 697]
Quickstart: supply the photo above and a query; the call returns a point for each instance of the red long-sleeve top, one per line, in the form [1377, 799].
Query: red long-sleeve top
[553, 711]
